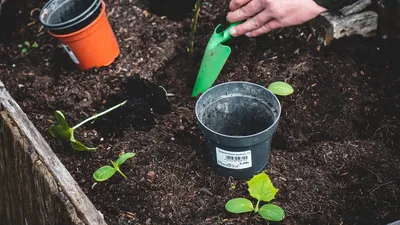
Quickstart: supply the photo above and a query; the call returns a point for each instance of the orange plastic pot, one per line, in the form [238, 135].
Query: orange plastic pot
[93, 46]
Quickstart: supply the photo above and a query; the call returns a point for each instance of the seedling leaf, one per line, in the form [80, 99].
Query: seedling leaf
[114, 164]
[61, 119]
[24, 50]
[117, 168]
[239, 205]
[261, 187]
[27, 43]
[35, 45]
[104, 173]
[78, 146]
[124, 157]
[272, 212]
[280, 88]
[59, 132]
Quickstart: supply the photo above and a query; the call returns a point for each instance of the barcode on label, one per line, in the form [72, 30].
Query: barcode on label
[236, 158]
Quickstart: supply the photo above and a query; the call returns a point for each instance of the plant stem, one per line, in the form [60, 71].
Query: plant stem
[98, 115]
[121, 173]
[194, 25]
[116, 166]
[256, 209]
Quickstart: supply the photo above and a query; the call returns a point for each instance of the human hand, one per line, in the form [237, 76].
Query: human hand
[264, 16]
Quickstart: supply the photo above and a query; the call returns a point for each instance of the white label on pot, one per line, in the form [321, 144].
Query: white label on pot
[71, 54]
[233, 160]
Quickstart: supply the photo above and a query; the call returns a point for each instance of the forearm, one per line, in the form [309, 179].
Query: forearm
[333, 5]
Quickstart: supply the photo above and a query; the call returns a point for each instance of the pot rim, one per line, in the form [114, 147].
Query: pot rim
[245, 136]
[66, 23]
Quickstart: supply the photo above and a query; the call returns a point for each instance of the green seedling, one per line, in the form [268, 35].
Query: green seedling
[280, 88]
[262, 189]
[28, 46]
[64, 132]
[105, 172]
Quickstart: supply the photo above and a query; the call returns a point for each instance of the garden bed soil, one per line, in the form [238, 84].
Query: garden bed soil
[335, 156]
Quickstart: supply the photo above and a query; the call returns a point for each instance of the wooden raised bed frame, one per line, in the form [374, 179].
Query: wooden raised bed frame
[35, 186]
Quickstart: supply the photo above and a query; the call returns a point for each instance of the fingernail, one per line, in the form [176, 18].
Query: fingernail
[233, 32]
[248, 34]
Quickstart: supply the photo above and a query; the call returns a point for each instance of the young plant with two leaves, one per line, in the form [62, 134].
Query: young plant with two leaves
[105, 172]
[262, 189]
[63, 131]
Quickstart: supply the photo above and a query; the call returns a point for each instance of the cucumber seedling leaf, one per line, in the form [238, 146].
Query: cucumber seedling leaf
[272, 212]
[239, 205]
[124, 157]
[78, 146]
[104, 173]
[280, 88]
[61, 130]
[261, 188]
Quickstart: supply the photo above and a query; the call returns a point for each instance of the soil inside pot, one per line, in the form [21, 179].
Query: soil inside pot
[144, 101]
[335, 156]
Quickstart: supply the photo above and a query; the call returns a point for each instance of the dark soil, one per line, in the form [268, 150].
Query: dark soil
[335, 156]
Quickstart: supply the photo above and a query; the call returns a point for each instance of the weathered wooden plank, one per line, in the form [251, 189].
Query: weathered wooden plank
[364, 24]
[35, 187]
[351, 20]
[46, 204]
[5, 210]
[356, 7]
[9, 158]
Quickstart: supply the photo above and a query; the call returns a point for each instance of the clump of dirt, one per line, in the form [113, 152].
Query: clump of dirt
[144, 100]
[176, 10]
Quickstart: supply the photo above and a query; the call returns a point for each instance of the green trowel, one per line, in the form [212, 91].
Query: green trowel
[214, 59]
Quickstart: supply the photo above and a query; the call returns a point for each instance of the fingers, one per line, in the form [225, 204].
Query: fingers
[236, 4]
[268, 27]
[245, 12]
[251, 24]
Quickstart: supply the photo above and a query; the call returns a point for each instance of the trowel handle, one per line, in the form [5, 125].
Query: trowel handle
[225, 34]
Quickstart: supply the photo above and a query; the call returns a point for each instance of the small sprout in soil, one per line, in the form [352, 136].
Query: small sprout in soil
[64, 132]
[28, 46]
[280, 88]
[262, 189]
[193, 27]
[105, 172]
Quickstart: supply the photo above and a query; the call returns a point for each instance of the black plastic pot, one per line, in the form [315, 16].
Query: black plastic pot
[238, 120]
[68, 16]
